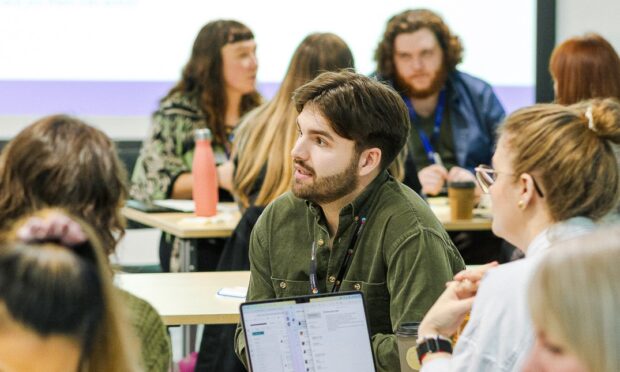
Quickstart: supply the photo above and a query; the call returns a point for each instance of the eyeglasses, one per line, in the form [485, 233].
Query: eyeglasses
[486, 177]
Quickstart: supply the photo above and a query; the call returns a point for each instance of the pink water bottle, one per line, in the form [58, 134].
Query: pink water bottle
[204, 190]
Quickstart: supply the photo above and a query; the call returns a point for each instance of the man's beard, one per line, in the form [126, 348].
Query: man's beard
[329, 188]
[437, 84]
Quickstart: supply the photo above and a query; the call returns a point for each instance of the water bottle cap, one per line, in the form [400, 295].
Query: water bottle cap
[202, 134]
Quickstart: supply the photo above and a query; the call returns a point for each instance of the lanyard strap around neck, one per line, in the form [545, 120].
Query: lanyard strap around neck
[428, 144]
[348, 257]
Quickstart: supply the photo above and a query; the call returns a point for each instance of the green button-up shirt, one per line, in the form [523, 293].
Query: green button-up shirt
[403, 258]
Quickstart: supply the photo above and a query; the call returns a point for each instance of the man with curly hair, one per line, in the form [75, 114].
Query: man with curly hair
[453, 115]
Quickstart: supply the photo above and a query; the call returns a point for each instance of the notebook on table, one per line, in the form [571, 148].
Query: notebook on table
[308, 333]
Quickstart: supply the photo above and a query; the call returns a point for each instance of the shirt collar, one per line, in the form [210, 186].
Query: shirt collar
[568, 229]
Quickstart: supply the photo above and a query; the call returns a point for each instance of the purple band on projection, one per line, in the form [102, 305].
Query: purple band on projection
[123, 98]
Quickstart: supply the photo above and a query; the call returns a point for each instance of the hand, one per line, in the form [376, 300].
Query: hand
[458, 174]
[465, 288]
[432, 179]
[476, 274]
[447, 314]
[225, 175]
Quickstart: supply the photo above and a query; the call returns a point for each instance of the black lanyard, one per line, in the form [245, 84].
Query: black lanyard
[428, 144]
[361, 222]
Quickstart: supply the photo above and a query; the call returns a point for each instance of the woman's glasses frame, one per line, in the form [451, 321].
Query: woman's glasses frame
[486, 176]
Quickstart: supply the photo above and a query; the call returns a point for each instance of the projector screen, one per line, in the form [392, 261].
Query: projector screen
[110, 61]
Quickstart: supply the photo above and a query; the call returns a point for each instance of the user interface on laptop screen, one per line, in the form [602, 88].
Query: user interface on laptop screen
[307, 334]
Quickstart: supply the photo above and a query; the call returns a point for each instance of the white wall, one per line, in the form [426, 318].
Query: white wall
[576, 17]
[133, 41]
[150, 40]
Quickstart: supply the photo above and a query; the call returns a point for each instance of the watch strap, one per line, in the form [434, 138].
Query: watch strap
[434, 344]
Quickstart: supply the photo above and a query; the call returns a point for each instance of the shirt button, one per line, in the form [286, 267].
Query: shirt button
[357, 286]
[321, 242]
[332, 279]
[282, 285]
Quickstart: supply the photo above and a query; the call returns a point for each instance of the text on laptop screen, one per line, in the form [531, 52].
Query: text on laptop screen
[325, 334]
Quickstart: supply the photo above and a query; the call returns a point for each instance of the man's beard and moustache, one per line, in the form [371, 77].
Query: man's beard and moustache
[409, 90]
[328, 188]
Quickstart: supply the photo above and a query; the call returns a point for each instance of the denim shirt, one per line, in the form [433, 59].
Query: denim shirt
[402, 260]
[475, 113]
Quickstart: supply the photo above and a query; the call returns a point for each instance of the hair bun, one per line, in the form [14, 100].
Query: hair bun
[602, 117]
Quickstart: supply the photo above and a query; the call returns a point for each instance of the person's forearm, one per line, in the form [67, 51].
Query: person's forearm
[225, 173]
[182, 187]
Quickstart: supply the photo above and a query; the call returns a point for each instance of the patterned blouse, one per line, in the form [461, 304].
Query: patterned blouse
[169, 149]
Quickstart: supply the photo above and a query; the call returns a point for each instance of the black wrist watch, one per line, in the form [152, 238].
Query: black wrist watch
[433, 344]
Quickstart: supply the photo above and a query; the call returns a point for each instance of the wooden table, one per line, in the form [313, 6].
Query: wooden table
[173, 223]
[177, 225]
[185, 227]
[188, 298]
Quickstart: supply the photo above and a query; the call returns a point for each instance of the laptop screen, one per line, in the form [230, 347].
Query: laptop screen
[305, 334]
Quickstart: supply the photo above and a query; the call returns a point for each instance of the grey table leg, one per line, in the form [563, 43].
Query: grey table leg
[188, 264]
[189, 338]
[188, 255]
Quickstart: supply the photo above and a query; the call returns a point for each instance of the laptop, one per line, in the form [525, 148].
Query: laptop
[309, 333]
[147, 207]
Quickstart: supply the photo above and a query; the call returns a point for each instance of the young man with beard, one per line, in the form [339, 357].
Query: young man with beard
[350, 129]
[454, 115]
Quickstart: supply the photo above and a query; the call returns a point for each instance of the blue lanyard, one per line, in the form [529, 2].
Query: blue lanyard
[428, 146]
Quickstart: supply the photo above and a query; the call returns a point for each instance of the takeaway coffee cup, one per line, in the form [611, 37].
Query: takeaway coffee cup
[406, 335]
[461, 196]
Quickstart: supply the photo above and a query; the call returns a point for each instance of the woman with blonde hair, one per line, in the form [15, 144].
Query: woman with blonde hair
[574, 302]
[554, 173]
[58, 308]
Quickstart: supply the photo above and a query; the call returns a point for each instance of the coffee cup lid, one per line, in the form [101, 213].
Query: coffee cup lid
[462, 185]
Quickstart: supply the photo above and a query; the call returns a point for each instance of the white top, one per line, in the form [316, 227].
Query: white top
[499, 333]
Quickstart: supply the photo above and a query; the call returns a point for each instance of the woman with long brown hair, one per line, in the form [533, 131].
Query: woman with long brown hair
[217, 87]
[61, 162]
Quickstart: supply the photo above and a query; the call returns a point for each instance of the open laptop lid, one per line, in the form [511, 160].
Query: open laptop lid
[308, 333]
